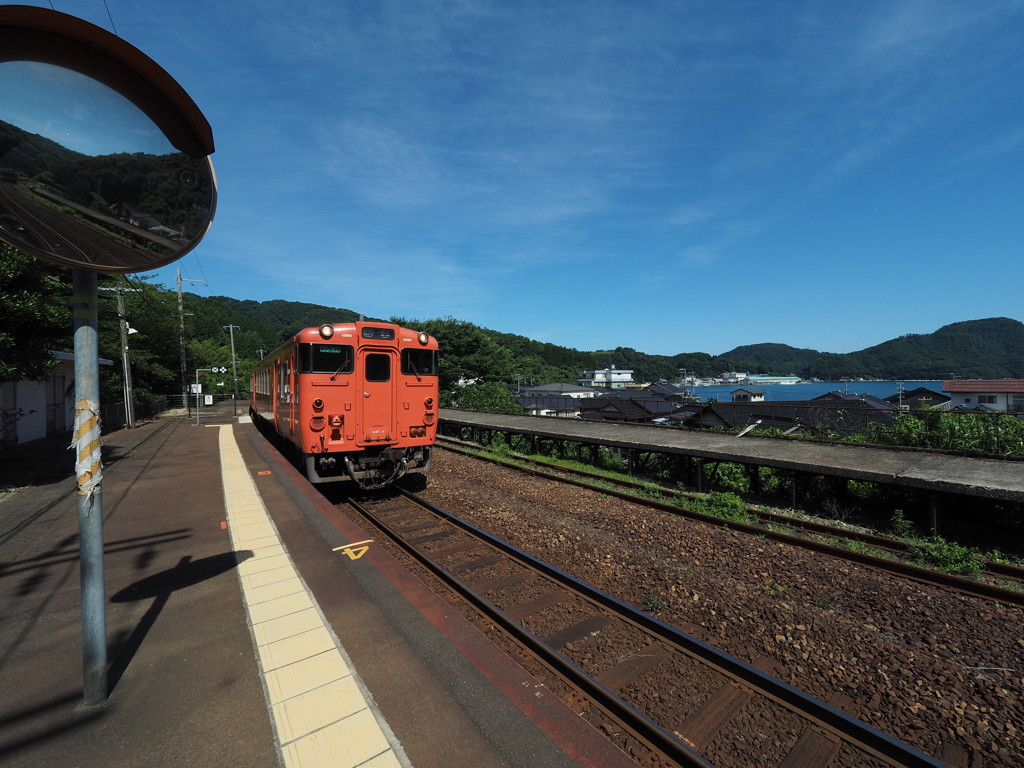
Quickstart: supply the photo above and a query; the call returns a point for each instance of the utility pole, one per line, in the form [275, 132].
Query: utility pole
[129, 405]
[234, 370]
[181, 338]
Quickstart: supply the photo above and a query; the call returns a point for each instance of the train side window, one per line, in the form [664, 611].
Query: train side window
[419, 362]
[327, 358]
[378, 367]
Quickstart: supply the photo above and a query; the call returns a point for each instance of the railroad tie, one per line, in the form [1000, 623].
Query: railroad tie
[472, 565]
[815, 748]
[433, 537]
[419, 526]
[455, 549]
[536, 606]
[956, 756]
[579, 630]
[502, 583]
[702, 726]
[633, 668]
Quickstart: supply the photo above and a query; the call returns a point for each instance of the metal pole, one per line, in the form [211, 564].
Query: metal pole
[129, 408]
[181, 342]
[181, 338]
[234, 371]
[88, 471]
[197, 397]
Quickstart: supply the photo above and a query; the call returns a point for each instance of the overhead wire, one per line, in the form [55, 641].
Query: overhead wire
[110, 17]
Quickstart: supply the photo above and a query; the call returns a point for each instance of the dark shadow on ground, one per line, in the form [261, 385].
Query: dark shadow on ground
[161, 586]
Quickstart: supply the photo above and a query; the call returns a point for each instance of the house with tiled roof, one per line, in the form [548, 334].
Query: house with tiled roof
[986, 394]
[832, 414]
[561, 406]
[558, 389]
[747, 395]
[919, 397]
[667, 391]
[626, 405]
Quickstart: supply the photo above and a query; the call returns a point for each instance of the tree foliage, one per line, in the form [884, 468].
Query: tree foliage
[35, 315]
[35, 306]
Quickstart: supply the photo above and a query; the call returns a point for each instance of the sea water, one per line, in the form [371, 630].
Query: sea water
[811, 389]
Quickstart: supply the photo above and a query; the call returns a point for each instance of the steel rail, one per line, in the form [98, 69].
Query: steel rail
[847, 728]
[906, 570]
[643, 728]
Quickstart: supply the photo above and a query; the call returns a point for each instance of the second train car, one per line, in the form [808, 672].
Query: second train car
[352, 401]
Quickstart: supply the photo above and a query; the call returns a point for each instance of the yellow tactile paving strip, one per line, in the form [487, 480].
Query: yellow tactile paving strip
[317, 705]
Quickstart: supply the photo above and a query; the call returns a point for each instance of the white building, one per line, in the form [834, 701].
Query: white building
[558, 390]
[748, 395]
[993, 394]
[31, 410]
[612, 378]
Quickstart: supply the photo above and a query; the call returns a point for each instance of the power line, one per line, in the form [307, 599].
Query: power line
[110, 17]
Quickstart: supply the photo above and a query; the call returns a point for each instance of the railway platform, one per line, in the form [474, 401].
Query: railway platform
[248, 623]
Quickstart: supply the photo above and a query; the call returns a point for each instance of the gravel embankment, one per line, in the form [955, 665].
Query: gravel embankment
[920, 663]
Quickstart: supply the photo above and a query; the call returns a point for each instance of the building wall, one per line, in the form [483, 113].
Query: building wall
[24, 405]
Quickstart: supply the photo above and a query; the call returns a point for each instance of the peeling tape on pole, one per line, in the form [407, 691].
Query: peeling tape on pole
[86, 442]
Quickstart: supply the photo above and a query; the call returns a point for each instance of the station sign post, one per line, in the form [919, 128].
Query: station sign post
[215, 369]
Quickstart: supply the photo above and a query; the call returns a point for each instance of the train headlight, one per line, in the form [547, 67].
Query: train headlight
[326, 331]
[428, 402]
[424, 338]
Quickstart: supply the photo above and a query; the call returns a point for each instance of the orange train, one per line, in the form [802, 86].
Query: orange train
[352, 401]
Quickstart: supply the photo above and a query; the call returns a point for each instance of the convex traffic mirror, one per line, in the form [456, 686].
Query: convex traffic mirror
[104, 160]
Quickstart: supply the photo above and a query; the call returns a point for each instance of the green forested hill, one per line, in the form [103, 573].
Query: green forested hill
[32, 297]
[286, 317]
[990, 348]
[983, 349]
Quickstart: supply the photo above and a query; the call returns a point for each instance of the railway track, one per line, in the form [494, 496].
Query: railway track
[1004, 583]
[673, 699]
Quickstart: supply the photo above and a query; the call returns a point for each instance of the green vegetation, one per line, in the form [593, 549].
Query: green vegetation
[727, 506]
[948, 557]
[989, 433]
[654, 604]
[35, 304]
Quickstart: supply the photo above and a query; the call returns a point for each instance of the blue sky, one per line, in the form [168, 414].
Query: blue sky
[668, 176]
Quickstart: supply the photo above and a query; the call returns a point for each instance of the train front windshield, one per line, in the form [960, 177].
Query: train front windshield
[419, 362]
[326, 358]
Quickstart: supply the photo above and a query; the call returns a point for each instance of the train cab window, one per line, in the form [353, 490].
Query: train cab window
[327, 358]
[378, 367]
[419, 362]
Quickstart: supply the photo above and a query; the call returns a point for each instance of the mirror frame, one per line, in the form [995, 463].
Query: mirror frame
[32, 34]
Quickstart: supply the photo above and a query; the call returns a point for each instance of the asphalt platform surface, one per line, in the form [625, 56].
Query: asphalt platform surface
[184, 678]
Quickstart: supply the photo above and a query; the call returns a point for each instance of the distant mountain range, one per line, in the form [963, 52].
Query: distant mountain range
[985, 349]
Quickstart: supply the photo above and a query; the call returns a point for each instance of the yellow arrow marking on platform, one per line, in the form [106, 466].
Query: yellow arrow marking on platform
[354, 550]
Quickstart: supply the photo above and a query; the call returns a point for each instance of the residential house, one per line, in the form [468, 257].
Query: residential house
[612, 378]
[670, 392]
[747, 395]
[831, 414]
[633, 406]
[557, 389]
[919, 397]
[561, 406]
[986, 394]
